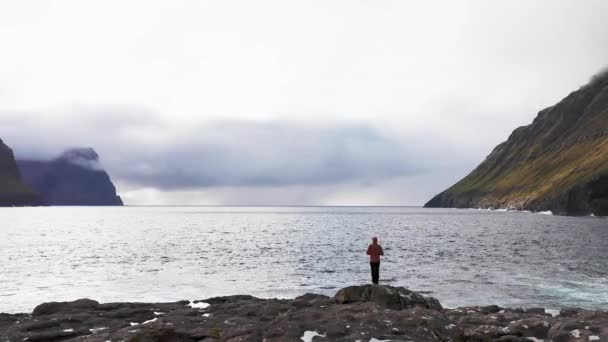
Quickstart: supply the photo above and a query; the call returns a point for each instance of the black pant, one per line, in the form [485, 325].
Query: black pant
[375, 271]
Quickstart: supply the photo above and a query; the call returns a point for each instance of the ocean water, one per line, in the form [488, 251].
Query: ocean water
[462, 257]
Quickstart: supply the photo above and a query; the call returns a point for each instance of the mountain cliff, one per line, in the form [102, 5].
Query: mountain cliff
[74, 178]
[12, 190]
[557, 163]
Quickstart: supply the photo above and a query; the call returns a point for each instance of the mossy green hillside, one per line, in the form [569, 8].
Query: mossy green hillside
[543, 165]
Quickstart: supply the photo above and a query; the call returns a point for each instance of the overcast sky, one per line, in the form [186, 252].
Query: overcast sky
[287, 102]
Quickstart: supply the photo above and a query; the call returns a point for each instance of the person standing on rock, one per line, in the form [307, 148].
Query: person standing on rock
[375, 251]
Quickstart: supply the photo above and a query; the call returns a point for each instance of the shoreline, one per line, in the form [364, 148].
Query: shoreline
[364, 313]
[513, 210]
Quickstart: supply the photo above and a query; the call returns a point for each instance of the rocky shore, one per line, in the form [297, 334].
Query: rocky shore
[367, 313]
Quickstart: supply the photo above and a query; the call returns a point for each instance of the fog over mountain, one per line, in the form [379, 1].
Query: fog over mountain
[300, 102]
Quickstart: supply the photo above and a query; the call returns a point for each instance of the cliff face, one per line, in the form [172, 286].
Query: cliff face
[75, 178]
[12, 190]
[557, 163]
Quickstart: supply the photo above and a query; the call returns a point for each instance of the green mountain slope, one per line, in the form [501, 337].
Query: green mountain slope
[557, 163]
[12, 191]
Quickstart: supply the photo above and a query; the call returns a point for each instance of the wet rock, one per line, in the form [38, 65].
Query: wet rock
[512, 338]
[573, 324]
[154, 334]
[494, 323]
[65, 307]
[56, 335]
[538, 311]
[397, 298]
[356, 313]
[537, 326]
[227, 299]
[312, 299]
[568, 311]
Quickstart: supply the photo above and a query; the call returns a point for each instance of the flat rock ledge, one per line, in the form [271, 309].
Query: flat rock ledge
[367, 313]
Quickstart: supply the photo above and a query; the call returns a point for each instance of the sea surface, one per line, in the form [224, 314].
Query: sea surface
[151, 254]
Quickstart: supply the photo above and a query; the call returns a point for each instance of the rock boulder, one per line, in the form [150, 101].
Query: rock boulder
[396, 298]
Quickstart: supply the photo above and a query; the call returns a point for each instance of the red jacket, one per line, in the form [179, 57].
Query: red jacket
[374, 251]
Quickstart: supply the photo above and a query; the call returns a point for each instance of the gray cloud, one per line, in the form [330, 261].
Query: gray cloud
[273, 154]
[152, 160]
[225, 153]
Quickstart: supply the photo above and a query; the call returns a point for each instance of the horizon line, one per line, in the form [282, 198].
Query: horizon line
[271, 205]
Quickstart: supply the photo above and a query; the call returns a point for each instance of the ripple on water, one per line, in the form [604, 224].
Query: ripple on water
[464, 257]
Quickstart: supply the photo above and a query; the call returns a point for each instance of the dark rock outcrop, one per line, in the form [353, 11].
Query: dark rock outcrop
[13, 192]
[396, 298]
[65, 307]
[74, 178]
[557, 163]
[357, 313]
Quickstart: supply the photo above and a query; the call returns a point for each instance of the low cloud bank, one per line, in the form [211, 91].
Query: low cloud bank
[270, 154]
[222, 153]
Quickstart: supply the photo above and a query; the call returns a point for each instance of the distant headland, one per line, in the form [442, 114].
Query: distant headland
[76, 177]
